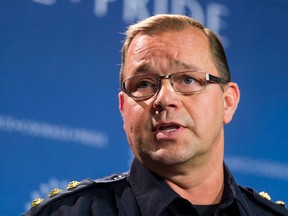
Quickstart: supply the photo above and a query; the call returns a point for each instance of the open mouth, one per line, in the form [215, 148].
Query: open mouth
[167, 128]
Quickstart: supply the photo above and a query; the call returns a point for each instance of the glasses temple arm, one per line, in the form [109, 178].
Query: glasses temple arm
[215, 79]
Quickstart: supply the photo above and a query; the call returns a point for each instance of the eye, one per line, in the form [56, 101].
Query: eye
[188, 80]
[145, 83]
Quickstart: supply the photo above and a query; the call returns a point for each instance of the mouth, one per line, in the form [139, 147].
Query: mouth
[168, 131]
[166, 127]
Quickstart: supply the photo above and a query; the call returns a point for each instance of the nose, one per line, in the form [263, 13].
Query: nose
[166, 97]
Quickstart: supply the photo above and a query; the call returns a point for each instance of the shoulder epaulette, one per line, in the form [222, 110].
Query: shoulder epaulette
[264, 199]
[72, 188]
[112, 178]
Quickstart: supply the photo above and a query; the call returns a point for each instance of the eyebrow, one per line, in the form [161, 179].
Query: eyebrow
[179, 64]
[185, 66]
[144, 67]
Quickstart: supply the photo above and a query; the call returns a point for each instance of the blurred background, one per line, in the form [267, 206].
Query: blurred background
[59, 66]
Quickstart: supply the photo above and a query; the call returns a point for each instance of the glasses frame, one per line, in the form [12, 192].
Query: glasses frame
[209, 79]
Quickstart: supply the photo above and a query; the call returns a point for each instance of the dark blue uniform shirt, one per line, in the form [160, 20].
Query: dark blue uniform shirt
[140, 192]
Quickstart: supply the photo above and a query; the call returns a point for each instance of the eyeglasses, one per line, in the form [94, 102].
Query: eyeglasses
[185, 82]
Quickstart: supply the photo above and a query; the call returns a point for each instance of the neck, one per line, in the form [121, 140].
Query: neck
[200, 182]
[203, 186]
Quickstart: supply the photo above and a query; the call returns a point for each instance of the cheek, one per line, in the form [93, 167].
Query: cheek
[215, 114]
[216, 107]
[134, 116]
[136, 124]
[207, 112]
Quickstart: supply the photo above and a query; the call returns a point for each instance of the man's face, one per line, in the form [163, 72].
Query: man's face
[185, 127]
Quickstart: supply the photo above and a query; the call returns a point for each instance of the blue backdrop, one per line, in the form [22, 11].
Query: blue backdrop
[59, 65]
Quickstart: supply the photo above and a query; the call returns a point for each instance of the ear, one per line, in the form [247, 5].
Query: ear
[121, 102]
[231, 100]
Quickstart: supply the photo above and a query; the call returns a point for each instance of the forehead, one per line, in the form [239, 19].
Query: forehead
[173, 50]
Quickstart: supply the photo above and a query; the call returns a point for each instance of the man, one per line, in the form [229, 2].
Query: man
[176, 95]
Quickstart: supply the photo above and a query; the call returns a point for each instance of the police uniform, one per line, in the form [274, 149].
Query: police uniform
[140, 192]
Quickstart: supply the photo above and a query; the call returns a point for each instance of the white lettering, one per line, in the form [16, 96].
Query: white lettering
[57, 132]
[197, 12]
[161, 6]
[101, 7]
[215, 13]
[134, 10]
[45, 2]
[258, 167]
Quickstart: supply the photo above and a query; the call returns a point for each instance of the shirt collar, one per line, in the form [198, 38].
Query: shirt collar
[152, 193]
[150, 189]
[232, 191]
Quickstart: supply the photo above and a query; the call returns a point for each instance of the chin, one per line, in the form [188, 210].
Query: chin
[164, 157]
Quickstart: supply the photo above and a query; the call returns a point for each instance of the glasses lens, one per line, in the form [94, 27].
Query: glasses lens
[184, 82]
[188, 82]
[141, 86]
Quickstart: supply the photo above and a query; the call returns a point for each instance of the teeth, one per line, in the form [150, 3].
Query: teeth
[170, 130]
